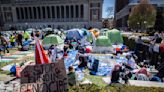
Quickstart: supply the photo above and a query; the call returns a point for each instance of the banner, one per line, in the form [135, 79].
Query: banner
[44, 78]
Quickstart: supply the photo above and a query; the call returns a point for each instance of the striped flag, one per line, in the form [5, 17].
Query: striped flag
[40, 55]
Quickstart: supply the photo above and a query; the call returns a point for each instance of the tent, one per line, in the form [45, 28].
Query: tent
[95, 31]
[103, 41]
[48, 29]
[104, 30]
[74, 33]
[115, 36]
[52, 39]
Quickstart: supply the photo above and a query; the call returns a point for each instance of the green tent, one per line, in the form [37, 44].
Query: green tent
[103, 41]
[104, 30]
[115, 36]
[52, 40]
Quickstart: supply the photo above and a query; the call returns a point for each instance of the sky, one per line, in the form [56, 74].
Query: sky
[107, 3]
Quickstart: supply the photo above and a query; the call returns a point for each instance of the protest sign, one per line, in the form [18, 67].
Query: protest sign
[44, 78]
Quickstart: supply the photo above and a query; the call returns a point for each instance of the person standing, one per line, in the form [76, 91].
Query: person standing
[53, 53]
[20, 38]
[4, 44]
[12, 40]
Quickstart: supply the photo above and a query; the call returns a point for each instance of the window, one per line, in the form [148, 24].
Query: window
[34, 12]
[21, 9]
[62, 11]
[58, 12]
[26, 13]
[82, 11]
[48, 12]
[39, 12]
[72, 11]
[53, 11]
[94, 4]
[30, 12]
[17, 12]
[44, 12]
[77, 11]
[67, 11]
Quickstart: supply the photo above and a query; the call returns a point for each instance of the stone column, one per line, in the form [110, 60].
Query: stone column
[28, 13]
[24, 13]
[79, 18]
[70, 12]
[46, 14]
[86, 13]
[37, 13]
[14, 15]
[74, 9]
[32, 13]
[41, 13]
[55, 12]
[50, 12]
[65, 13]
[60, 12]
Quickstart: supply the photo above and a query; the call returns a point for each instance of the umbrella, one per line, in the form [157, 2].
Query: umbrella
[52, 39]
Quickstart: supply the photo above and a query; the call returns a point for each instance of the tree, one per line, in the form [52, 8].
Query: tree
[110, 11]
[142, 15]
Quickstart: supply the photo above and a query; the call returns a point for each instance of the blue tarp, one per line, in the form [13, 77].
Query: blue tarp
[74, 33]
[13, 69]
[104, 69]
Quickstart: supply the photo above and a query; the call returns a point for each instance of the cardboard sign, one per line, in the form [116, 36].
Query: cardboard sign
[44, 78]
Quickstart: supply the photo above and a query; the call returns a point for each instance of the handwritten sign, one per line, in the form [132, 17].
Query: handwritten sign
[44, 78]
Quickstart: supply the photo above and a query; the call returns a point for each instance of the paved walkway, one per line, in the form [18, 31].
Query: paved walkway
[14, 56]
[146, 83]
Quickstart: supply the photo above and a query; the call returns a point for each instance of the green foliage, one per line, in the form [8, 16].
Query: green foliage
[113, 88]
[142, 16]
[85, 88]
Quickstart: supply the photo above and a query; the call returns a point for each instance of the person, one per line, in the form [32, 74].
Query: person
[115, 74]
[25, 45]
[12, 40]
[139, 43]
[71, 76]
[53, 53]
[20, 38]
[26, 35]
[82, 62]
[4, 44]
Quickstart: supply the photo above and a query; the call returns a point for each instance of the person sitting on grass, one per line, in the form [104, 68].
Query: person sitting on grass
[71, 76]
[26, 45]
[82, 62]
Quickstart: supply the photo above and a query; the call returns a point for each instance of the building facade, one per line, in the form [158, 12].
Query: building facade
[55, 13]
[122, 13]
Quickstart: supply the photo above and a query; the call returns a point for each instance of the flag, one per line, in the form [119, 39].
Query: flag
[40, 55]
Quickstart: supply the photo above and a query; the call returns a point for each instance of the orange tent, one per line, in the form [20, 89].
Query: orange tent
[95, 32]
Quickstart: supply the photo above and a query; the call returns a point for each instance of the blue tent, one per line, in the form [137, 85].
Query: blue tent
[74, 33]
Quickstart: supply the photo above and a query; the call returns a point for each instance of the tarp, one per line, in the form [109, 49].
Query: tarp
[103, 41]
[74, 33]
[115, 36]
[52, 40]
